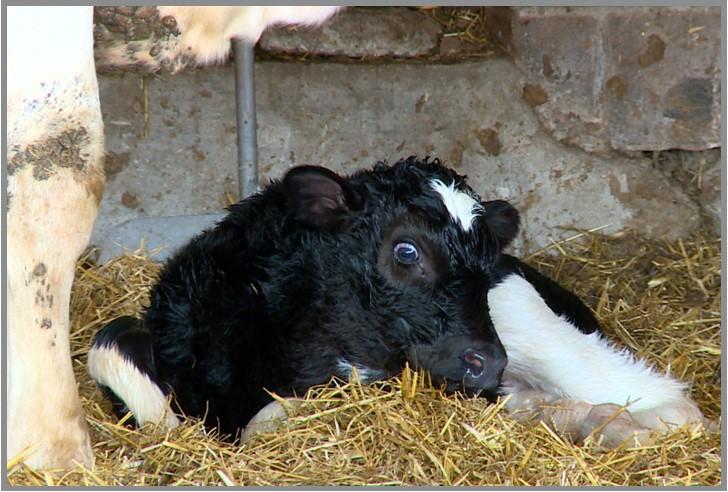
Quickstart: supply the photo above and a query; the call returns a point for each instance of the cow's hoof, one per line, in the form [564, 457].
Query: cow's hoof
[269, 419]
[67, 451]
[611, 426]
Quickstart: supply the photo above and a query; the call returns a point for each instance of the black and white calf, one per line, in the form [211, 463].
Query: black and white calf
[313, 277]
[320, 274]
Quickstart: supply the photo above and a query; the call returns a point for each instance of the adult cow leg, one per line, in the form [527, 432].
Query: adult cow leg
[48, 224]
[55, 181]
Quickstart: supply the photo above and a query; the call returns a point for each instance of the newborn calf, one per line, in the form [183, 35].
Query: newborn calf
[320, 274]
[315, 276]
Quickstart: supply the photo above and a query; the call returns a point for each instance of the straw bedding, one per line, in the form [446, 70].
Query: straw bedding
[661, 299]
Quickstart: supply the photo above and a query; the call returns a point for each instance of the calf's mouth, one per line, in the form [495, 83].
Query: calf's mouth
[461, 363]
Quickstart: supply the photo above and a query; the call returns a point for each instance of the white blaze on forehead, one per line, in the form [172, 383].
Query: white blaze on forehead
[461, 206]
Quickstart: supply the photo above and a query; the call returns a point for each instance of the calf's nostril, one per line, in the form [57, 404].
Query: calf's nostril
[475, 360]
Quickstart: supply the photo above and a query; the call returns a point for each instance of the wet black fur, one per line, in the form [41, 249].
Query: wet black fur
[288, 283]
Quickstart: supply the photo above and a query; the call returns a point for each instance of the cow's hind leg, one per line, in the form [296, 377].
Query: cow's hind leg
[55, 181]
[49, 224]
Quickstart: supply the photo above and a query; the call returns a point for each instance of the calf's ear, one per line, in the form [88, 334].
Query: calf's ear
[318, 197]
[502, 219]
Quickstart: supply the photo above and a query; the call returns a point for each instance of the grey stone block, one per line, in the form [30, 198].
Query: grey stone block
[627, 79]
[161, 236]
[361, 33]
[348, 116]
[711, 197]
[558, 189]
[699, 175]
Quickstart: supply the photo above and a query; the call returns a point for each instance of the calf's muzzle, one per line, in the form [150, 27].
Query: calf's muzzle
[462, 363]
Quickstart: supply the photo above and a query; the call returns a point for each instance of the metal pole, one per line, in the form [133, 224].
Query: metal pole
[245, 112]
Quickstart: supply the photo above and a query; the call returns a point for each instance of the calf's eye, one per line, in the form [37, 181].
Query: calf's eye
[406, 253]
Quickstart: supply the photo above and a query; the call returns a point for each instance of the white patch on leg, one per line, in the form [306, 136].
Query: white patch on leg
[138, 392]
[51, 77]
[551, 354]
[462, 207]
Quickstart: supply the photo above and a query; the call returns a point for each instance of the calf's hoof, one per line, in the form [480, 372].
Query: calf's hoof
[612, 426]
[269, 418]
[670, 416]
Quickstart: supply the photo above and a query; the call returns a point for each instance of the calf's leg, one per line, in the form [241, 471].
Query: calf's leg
[548, 354]
[608, 424]
[269, 418]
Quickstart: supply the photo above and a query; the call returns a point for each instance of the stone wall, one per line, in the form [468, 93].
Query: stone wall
[572, 114]
[622, 78]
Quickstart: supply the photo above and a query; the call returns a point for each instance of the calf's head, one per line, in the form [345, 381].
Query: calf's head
[407, 252]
